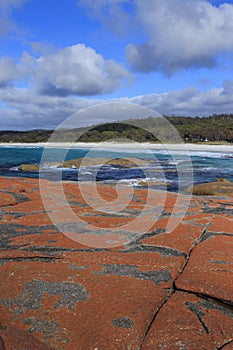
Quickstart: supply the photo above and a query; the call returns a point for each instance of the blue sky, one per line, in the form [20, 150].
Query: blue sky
[57, 57]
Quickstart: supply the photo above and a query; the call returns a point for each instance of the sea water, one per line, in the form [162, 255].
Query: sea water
[176, 168]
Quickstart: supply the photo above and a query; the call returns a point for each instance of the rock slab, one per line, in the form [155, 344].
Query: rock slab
[161, 290]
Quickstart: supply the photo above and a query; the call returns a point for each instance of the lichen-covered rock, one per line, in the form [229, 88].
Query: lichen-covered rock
[160, 290]
[187, 321]
[87, 161]
[222, 187]
[29, 167]
[154, 183]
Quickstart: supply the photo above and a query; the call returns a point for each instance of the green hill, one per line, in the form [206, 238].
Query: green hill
[215, 128]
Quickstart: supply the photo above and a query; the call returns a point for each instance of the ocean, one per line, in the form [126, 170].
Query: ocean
[177, 169]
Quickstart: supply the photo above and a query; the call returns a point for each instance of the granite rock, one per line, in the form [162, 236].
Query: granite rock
[66, 285]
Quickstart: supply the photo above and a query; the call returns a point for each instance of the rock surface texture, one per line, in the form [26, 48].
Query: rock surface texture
[163, 290]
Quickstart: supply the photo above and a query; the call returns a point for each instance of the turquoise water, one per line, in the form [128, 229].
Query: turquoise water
[172, 168]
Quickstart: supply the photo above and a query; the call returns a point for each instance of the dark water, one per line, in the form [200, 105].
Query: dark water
[177, 169]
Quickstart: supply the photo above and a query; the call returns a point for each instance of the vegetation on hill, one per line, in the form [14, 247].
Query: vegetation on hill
[215, 128]
[25, 136]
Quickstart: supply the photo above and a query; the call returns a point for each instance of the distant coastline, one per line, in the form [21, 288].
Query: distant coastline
[130, 145]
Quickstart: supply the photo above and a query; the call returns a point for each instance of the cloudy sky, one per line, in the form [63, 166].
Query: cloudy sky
[58, 57]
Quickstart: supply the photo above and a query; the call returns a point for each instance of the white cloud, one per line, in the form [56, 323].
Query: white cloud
[24, 109]
[189, 102]
[78, 70]
[12, 71]
[6, 8]
[181, 34]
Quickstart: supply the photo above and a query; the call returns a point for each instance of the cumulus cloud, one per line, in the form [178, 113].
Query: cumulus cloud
[6, 8]
[74, 70]
[11, 71]
[79, 70]
[181, 34]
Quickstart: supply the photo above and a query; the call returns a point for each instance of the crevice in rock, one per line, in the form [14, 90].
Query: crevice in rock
[155, 232]
[174, 289]
[137, 241]
[30, 258]
[2, 344]
[199, 314]
[51, 249]
[221, 302]
[195, 243]
[154, 317]
[224, 345]
[210, 234]
[224, 303]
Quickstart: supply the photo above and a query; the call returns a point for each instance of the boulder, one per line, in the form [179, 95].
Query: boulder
[221, 187]
[121, 162]
[77, 162]
[155, 183]
[29, 167]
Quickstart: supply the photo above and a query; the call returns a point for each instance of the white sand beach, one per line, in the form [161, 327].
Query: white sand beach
[205, 147]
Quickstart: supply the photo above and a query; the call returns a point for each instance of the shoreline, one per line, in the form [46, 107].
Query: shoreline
[129, 146]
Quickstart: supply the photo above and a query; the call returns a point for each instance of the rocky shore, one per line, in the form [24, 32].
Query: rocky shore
[164, 290]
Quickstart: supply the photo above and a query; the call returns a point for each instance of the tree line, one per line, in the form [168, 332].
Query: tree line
[215, 128]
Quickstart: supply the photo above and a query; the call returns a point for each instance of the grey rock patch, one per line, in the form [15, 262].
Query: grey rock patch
[6, 302]
[71, 294]
[75, 267]
[47, 328]
[163, 251]
[33, 293]
[123, 322]
[157, 277]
